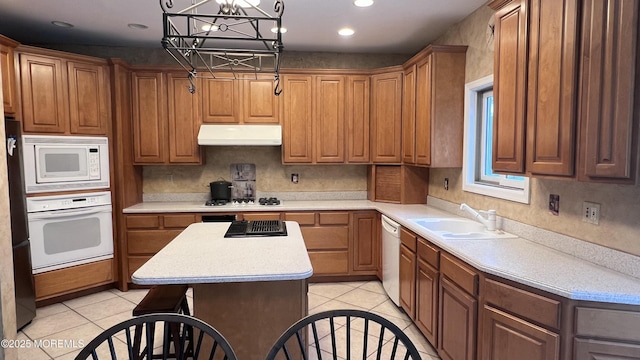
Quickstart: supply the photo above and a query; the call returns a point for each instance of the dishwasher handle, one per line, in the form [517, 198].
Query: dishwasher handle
[390, 226]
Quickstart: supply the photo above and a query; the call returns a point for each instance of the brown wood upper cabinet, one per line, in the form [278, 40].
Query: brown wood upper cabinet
[357, 118]
[8, 71]
[297, 118]
[166, 119]
[535, 79]
[63, 93]
[433, 111]
[386, 117]
[246, 100]
[329, 129]
[574, 80]
[609, 92]
[325, 118]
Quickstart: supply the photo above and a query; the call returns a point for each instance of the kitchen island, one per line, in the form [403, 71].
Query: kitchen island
[251, 289]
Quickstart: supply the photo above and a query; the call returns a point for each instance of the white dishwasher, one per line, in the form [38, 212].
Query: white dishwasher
[391, 258]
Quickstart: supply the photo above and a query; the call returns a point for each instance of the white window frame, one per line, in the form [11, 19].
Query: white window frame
[504, 188]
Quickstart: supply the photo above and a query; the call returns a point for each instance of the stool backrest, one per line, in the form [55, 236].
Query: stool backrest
[180, 337]
[343, 334]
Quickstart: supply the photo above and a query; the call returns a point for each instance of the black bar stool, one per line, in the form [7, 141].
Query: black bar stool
[164, 299]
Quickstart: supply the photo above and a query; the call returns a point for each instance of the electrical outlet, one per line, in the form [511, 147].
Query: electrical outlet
[554, 204]
[591, 212]
[446, 183]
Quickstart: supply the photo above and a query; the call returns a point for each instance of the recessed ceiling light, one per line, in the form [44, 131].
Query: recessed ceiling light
[137, 26]
[241, 3]
[282, 30]
[363, 3]
[62, 24]
[346, 32]
[210, 27]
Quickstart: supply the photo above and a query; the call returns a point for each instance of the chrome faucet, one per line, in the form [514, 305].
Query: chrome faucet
[489, 222]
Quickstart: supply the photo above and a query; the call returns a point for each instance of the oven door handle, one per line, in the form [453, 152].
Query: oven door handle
[70, 213]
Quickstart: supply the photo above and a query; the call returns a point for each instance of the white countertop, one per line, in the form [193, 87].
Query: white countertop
[519, 259]
[201, 254]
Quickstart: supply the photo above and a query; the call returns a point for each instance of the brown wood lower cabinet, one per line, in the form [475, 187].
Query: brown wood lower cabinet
[507, 336]
[427, 284]
[458, 310]
[458, 318]
[326, 235]
[364, 242]
[149, 233]
[607, 333]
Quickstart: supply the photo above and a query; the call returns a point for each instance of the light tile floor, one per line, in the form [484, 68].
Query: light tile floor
[85, 317]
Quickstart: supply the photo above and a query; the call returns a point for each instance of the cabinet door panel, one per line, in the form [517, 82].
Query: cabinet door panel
[88, 98]
[365, 250]
[409, 116]
[457, 326]
[509, 88]
[408, 281]
[427, 301]
[44, 101]
[184, 120]
[423, 111]
[358, 119]
[329, 119]
[609, 55]
[297, 119]
[7, 69]
[508, 337]
[386, 118]
[551, 101]
[149, 125]
[260, 103]
[221, 100]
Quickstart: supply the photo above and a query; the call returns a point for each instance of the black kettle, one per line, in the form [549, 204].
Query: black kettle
[220, 190]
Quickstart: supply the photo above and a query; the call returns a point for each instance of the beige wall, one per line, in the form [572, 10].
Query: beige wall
[619, 226]
[271, 175]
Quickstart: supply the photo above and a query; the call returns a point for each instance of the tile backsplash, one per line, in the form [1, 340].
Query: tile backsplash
[271, 175]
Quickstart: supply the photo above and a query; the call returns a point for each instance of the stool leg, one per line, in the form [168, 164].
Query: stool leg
[184, 309]
[137, 340]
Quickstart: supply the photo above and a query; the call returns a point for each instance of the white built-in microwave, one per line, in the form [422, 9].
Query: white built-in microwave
[62, 163]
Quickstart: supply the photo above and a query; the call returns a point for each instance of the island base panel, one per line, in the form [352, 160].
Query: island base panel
[251, 315]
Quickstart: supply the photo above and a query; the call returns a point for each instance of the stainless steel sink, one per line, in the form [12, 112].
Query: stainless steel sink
[459, 229]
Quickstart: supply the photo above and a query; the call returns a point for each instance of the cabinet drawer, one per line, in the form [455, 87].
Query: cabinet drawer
[408, 239]
[261, 216]
[329, 262]
[464, 276]
[428, 253]
[326, 237]
[149, 242]
[301, 218]
[179, 221]
[525, 304]
[610, 324]
[75, 278]
[143, 222]
[334, 218]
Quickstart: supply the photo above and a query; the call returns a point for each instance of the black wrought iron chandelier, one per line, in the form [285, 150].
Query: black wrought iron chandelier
[239, 39]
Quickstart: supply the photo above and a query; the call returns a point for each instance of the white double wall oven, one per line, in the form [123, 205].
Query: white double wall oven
[75, 227]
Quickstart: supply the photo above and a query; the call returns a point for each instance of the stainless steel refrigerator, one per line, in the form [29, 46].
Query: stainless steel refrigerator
[23, 276]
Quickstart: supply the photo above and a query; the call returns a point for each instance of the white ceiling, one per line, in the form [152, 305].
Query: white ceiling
[389, 26]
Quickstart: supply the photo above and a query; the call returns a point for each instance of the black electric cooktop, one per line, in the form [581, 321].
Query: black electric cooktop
[256, 228]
